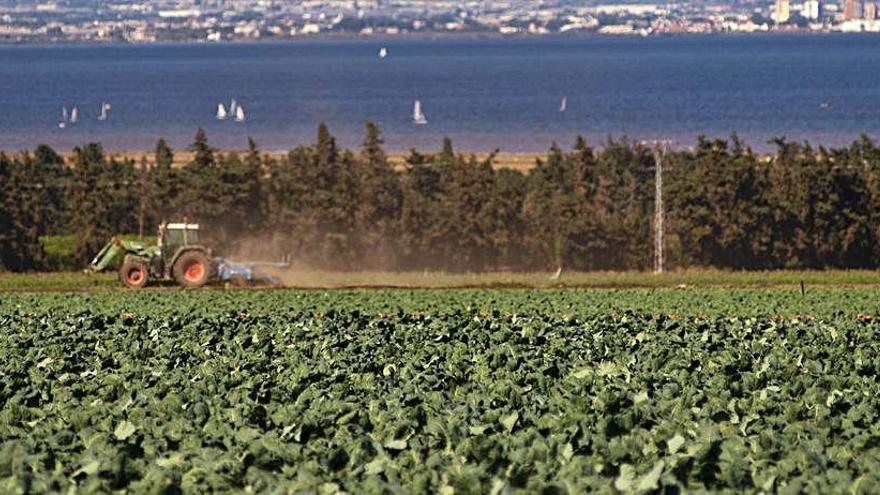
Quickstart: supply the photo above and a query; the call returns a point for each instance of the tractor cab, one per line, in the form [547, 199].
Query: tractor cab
[173, 236]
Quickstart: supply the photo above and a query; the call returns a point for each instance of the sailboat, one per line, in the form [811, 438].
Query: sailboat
[105, 107]
[63, 123]
[418, 116]
[74, 115]
[564, 104]
[239, 113]
[232, 106]
[383, 52]
[221, 112]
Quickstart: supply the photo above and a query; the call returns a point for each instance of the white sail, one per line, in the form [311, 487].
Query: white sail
[383, 52]
[221, 112]
[74, 115]
[239, 113]
[232, 106]
[563, 106]
[418, 116]
[105, 107]
[63, 122]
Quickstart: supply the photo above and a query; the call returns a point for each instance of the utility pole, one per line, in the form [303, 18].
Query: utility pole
[141, 188]
[659, 213]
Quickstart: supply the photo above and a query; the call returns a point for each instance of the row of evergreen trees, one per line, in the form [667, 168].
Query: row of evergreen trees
[585, 209]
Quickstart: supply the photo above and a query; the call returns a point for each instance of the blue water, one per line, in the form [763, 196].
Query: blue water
[484, 94]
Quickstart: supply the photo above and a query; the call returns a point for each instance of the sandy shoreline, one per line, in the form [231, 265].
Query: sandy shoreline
[517, 161]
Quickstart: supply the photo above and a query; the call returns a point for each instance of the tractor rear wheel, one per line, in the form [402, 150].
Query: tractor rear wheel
[133, 274]
[192, 270]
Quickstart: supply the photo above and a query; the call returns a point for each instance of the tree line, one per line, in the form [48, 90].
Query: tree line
[584, 208]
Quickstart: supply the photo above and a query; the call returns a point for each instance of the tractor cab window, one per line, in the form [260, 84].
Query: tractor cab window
[192, 237]
[175, 237]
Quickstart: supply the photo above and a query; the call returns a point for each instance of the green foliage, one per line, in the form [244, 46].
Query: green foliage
[473, 392]
[449, 212]
[163, 186]
[203, 193]
[720, 207]
[20, 204]
[378, 202]
[52, 177]
[90, 216]
[312, 203]
[581, 209]
[740, 295]
[60, 250]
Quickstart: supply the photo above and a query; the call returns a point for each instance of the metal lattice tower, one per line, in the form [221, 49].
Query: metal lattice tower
[660, 148]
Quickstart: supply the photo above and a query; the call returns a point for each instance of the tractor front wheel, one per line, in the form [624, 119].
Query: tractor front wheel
[192, 270]
[133, 274]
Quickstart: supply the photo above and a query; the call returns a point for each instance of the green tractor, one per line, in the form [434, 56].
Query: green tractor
[178, 255]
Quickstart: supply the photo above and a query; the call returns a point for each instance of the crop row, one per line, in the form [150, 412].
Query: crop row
[466, 401]
[703, 302]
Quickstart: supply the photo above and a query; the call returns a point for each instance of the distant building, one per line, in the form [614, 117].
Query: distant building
[179, 13]
[811, 10]
[782, 12]
[852, 10]
[618, 29]
[310, 28]
[870, 11]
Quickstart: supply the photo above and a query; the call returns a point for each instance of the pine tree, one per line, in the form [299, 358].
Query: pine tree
[6, 220]
[252, 190]
[842, 207]
[92, 214]
[420, 185]
[310, 207]
[545, 209]
[163, 185]
[164, 155]
[55, 180]
[146, 215]
[627, 169]
[203, 154]
[717, 209]
[447, 152]
[377, 204]
[287, 213]
[508, 229]
[21, 203]
[325, 147]
[239, 189]
[864, 155]
[202, 196]
[120, 185]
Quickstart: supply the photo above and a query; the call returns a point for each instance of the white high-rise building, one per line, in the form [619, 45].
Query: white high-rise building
[782, 12]
[811, 10]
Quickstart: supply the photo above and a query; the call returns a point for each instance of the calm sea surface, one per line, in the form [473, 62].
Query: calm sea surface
[482, 93]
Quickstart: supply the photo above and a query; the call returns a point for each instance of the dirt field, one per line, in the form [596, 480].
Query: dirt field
[304, 279]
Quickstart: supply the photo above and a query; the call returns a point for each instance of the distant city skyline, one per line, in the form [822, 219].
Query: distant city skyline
[47, 21]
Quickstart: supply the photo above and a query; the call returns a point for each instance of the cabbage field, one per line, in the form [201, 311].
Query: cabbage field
[450, 391]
